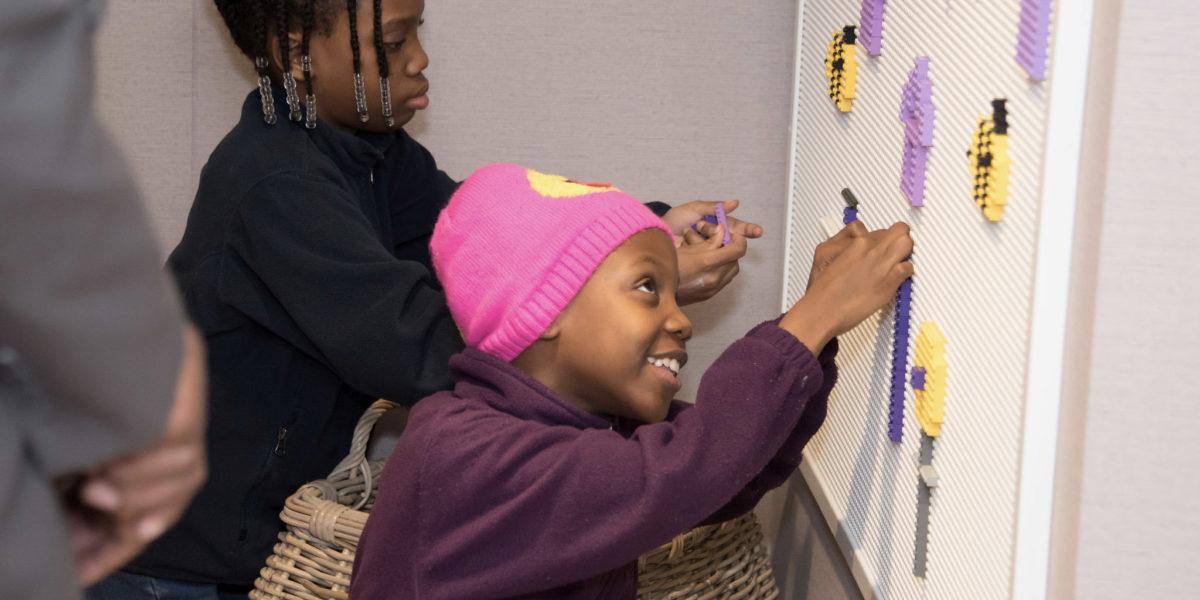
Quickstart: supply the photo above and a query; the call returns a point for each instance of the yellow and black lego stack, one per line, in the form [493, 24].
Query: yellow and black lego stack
[841, 68]
[989, 163]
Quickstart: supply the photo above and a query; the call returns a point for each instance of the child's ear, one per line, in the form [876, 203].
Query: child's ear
[552, 332]
[294, 56]
[296, 38]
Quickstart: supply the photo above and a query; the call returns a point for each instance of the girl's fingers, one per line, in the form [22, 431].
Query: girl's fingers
[745, 228]
[900, 244]
[705, 228]
[720, 255]
[900, 273]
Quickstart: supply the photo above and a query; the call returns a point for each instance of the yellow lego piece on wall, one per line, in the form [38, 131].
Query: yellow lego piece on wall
[989, 162]
[930, 362]
[841, 68]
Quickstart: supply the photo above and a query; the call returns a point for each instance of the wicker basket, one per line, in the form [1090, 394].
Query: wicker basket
[325, 519]
[727, 560]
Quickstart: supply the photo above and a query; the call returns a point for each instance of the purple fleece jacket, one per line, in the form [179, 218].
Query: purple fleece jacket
[502, 489]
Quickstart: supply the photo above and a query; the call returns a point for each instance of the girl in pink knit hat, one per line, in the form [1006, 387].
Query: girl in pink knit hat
[560, 456]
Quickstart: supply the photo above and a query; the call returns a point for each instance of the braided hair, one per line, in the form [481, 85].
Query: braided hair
[251, 22]
[283, 29]
[360, 94]
[310, 98]
[385, 88]
[261, 40]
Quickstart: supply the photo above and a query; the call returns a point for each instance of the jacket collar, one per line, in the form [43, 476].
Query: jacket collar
[356, 152]
[506, 388]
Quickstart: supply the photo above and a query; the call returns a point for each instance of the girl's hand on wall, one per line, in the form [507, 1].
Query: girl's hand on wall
[854, 274]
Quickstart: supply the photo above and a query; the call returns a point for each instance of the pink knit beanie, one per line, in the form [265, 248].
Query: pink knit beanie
[514, 246]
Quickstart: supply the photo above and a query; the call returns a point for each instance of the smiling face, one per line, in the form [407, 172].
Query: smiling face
[617, 348]
[333, 65]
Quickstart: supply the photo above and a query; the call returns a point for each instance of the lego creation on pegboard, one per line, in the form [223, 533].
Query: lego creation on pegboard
[870, 26]
[917, 115]
[895, 428]
[989, 162]
[975, 226]
[1033, 37]
[929, 386]
[929, 378]
[841, 68]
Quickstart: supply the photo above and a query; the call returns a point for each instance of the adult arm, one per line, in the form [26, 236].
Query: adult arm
[84, 304]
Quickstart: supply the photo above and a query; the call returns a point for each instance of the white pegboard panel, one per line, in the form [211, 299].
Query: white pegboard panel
[975, 279]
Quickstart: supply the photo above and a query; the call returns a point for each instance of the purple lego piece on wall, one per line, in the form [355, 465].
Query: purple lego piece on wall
[1033, 37]
[870, 26]
[917, 379]
[849, 215]
[899, 361]
[917, 114]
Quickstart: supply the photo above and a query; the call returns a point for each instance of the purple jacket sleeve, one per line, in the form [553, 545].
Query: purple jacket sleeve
[788, 458]
[555, 505]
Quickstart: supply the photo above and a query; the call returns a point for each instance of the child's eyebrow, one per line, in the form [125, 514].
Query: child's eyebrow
[648, 258]
[402, 22]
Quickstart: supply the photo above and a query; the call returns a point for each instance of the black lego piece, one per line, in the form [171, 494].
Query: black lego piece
[848, 35]
[1000, 116]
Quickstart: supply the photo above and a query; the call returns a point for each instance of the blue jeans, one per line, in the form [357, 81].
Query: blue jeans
[127, 586]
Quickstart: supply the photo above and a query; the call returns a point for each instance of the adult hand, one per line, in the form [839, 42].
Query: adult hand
[123, 505]
[854, 274]
[705, 266]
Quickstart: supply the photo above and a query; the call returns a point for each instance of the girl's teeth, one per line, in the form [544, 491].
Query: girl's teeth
[667, 363]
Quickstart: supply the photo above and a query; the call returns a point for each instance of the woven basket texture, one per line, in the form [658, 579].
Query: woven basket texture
[324, 520]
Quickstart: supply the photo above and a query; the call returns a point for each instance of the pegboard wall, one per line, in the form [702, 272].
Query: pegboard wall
[913, 127]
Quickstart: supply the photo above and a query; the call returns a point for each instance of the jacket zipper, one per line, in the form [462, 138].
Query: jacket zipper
[279, 450]
[280, 441]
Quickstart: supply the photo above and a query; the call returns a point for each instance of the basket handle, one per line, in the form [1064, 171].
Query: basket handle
[357, 458]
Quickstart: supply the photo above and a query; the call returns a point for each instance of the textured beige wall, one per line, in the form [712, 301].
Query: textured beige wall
[1137, 527]
[673, 100]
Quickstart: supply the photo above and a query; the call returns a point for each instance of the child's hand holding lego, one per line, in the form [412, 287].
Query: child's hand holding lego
[706, 265]
[681, 219]
[854, 274]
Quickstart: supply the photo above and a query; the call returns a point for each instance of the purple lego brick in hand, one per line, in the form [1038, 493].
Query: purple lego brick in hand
[719, 219]
[723, 223]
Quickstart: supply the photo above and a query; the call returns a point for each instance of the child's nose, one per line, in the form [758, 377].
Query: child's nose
[419, 61]
[679, 325]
